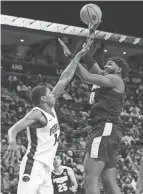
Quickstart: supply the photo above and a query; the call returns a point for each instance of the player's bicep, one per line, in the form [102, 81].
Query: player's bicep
[28, 120]
[103, 81]
[59, 88]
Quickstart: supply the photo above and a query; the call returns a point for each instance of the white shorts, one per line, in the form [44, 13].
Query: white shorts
[34, 178]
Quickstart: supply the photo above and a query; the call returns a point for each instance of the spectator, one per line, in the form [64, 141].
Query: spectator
[12, 81]
[5, 184]
[22, 89]
[128, 139]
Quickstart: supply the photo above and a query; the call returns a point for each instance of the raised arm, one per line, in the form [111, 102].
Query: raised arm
[89, 63]
[68, 73]
[92, 66]
[100, 80]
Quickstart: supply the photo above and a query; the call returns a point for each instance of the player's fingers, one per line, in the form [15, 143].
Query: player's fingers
[65, 54]
[85, 50]
[61, 42]
[83, 45]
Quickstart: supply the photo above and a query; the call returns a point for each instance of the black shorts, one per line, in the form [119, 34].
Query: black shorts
[104, 141]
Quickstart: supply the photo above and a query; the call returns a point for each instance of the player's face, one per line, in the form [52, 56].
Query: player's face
[50, 98]
[110, 68]
[57, 161]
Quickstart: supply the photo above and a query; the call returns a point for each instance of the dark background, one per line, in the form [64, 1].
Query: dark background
[118, 17]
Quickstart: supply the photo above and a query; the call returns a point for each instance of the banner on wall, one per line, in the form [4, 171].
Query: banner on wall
[21, 67]
[51, 70]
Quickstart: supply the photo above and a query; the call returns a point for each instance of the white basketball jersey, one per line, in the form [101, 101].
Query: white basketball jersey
[43, 142]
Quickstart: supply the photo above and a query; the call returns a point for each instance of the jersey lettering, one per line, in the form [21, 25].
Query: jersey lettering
[62, 187]
[61, 182]
[54, 129]
[56, 139]
[60, 179]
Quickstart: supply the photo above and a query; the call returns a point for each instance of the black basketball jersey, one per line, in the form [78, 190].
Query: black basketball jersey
[107, 103]
[61, 182]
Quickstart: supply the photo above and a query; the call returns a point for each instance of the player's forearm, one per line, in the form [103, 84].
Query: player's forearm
[70, 70]
[92, 65]
[82, 72]
[12, 132]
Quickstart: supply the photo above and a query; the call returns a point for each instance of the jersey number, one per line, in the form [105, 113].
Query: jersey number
[62, 187]
[56, 138]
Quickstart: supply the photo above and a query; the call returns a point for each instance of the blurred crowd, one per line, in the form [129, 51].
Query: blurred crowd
[73, 111]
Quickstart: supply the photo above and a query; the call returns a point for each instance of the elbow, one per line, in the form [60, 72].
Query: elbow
[84, 79]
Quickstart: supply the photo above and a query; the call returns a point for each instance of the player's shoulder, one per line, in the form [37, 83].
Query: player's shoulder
[69, 169]
[34, 114]
[64, 167]
[115, 78]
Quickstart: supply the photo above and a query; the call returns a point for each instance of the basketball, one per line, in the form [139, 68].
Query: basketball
[90, 14]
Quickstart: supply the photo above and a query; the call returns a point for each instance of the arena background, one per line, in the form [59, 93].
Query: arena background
[31, 55]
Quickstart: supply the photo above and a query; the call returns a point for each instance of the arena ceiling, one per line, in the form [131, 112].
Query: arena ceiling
[13, 36]
[123, 17]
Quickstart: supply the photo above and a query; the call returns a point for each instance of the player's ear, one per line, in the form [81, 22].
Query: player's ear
[119, 69]
[43, 98]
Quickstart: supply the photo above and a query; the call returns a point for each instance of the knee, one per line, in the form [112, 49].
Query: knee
[109, 181]
[90, 180]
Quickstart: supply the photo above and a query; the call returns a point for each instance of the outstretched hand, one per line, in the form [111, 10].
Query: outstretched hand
[66, 50]
[11, 151]
[92, 28]
[85, 49]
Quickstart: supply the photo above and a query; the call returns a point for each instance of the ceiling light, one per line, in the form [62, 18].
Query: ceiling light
[124, 53]
[21, 40]
[105, 50]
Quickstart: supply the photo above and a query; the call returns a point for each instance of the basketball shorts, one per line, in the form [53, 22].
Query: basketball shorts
[104, 141]
[34, 178]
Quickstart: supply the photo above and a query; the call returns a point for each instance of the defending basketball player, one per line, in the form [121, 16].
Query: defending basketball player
[139, 186]
[105, 136]
[63, 177]
[43, 135]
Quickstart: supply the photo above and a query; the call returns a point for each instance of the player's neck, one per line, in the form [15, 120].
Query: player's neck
[46, 108]
[118, 74]
[58, 170]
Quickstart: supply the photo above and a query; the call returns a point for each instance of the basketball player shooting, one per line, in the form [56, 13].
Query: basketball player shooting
[43, 135]
[106, 133]
[63, 178]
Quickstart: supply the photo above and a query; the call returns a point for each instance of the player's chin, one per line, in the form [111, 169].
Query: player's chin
[53, 103]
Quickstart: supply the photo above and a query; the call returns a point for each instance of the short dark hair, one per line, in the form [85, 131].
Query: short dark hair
[123, 64]
[59, 155]
[36, 94]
